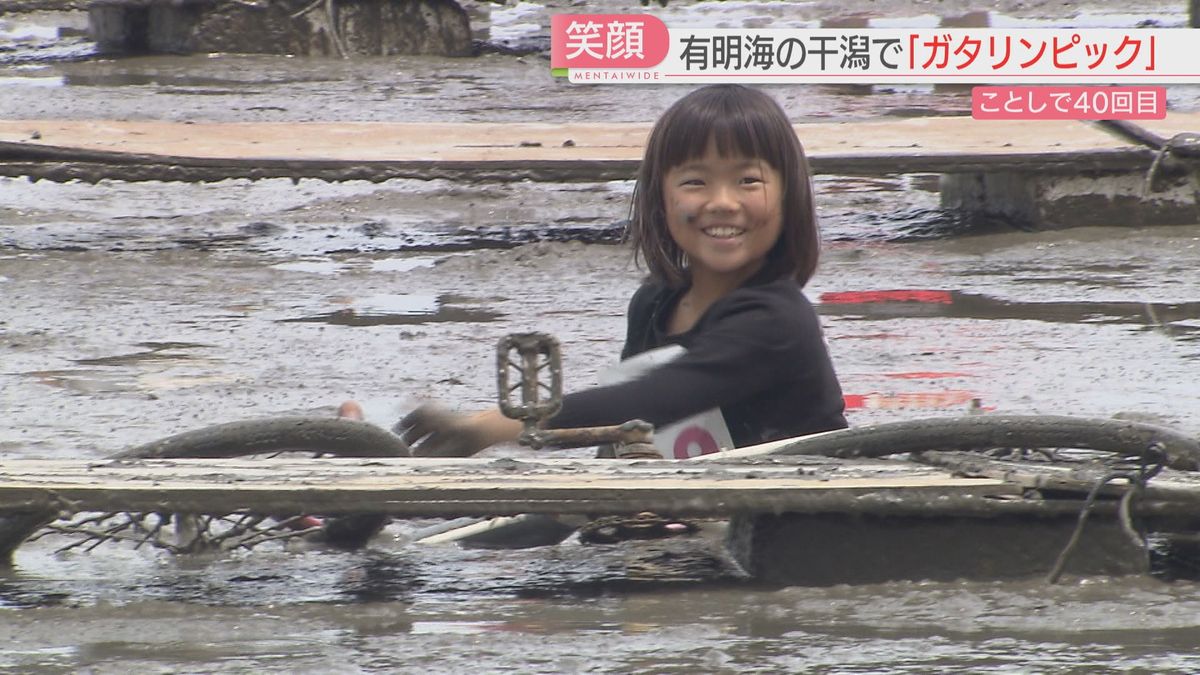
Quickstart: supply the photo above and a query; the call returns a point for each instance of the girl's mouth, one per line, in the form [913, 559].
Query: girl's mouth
[724, 231]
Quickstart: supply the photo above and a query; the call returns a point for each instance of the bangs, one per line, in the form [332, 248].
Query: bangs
[737, 129]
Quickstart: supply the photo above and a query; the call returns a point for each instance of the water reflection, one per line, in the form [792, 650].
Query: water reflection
[380, 577]
[156, 351]
[1174, 319]
[913, 223]
[182, 78]
[20, 596]
[400, 309]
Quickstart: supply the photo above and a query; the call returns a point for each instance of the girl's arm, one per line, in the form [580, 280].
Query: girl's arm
[433, 431]
[746, 344]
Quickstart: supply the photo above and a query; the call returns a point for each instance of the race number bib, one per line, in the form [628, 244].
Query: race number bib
[699, 434]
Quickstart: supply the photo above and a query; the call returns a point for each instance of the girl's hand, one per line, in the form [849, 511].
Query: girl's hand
[433, 431]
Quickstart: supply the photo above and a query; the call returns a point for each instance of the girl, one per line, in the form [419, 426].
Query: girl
[723, 218]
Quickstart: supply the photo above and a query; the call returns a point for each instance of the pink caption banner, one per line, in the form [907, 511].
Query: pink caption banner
[607, 41]
[1068, 103]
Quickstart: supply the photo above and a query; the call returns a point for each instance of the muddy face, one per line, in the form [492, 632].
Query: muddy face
[725, 214]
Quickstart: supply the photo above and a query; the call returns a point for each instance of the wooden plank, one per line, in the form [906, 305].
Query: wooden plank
[377, 151]
[383, 141]
[430, 487]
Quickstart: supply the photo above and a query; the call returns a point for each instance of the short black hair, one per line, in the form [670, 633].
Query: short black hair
[741, 121]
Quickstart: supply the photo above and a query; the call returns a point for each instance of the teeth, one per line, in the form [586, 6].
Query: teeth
[723, 231]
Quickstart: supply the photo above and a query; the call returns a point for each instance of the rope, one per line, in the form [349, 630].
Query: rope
[1181, 146]
[1185, 145]
[1137, 484]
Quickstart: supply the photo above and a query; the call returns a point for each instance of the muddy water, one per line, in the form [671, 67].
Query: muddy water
[132, 311]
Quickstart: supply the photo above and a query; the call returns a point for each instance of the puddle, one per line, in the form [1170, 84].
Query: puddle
[520, 28]
[44, 37]
[327, 267]
[904, 222]
[460, 627]
[158, 351]
[953, 399]
[156, 368]
[334, 267]
[86, 382]
[33, 81]
[405, 264]
[24, 32]
[400, 310]
[1173, 319]
[183, 80]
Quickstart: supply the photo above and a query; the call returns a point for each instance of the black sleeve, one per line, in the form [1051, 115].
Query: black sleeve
[736, 352]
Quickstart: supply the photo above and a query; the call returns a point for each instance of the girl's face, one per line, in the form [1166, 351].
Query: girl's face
[725, 213]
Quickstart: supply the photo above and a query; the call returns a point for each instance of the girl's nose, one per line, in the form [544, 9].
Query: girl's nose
[723, 198]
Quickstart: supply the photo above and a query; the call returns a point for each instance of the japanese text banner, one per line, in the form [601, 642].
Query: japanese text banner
[866, 55]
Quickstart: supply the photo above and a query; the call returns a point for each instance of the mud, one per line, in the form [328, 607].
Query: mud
[134, 311]
[224, 325]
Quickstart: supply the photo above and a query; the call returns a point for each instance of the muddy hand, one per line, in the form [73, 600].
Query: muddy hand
[433, 431]
[350, 410]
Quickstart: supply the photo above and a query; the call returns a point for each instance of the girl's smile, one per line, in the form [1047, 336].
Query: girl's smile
[725, 213]
[724, 232]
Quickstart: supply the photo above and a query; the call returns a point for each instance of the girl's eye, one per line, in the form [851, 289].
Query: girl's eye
[751, 179]
[692, 181]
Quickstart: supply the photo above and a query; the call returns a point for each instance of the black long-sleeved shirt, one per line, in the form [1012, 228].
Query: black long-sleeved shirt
[758, 354]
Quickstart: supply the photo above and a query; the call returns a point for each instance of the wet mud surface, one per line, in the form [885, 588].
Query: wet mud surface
[104, 349]
[135, 311]
[176, 338]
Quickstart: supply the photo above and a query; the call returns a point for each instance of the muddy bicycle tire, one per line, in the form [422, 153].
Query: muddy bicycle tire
[999, 431]
[334, 435]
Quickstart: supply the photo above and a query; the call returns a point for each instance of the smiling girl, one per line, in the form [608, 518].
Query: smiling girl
[723, 218]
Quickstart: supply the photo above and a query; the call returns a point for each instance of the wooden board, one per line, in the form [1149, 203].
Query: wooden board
[377, 151]
[432, 487]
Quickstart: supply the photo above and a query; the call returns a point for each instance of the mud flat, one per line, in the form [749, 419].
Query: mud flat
[135, 311]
